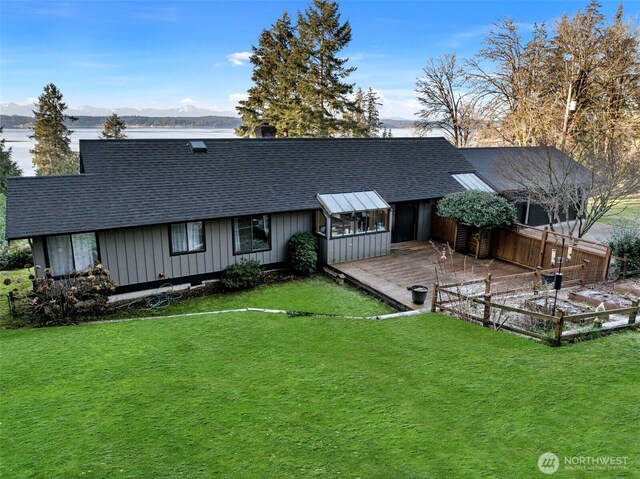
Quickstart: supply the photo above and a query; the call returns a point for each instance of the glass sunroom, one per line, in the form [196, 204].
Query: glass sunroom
[353, 226]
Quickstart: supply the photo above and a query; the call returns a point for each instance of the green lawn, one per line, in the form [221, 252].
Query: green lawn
[627, 209]
[258, 395]
[317, 294]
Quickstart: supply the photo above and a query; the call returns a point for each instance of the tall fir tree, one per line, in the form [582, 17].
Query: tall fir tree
[277, 68]
[323, 89]
[52, 153]
[372, 102]
[8, 167]
[113, 128]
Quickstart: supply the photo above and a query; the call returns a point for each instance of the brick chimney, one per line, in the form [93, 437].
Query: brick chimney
[264, 130]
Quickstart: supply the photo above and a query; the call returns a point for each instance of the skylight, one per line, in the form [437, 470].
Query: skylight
[198, 146]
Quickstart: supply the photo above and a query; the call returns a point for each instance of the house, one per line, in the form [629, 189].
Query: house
[179, 211]
[514, 171]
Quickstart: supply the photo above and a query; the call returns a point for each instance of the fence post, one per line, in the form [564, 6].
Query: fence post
[583, 276]
[559, 327]
[11, 306]
[633, 314]
[536, 280]
[543, 246]
[607, 263]
[625, 261]
[487, 300]
[434, 297]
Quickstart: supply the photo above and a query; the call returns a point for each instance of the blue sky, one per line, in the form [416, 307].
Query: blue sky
[164, 54]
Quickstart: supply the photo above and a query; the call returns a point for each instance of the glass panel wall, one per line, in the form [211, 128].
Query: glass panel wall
[359, 222]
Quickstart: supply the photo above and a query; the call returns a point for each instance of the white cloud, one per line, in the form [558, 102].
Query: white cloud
[239, 58]
[236, 97]
[398, 103]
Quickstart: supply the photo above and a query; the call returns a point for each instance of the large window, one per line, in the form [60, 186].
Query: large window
[359, 222]
[251, 234]
[187, 237]
[67, 253]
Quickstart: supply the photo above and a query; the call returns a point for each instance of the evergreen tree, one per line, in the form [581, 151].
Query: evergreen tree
[298, 79]
[322, 87]
[363, 119]
[355, 120]
[8, 167]
[113, 128]
[277, 67]
[372, 102]
[52, 153]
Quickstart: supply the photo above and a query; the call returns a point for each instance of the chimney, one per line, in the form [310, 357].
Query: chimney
[264, 130]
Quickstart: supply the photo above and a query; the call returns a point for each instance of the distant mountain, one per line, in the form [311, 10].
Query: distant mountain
[20, 121]
[182, 111]
[396, 123]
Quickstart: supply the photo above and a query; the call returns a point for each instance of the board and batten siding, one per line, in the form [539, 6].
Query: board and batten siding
[350, 248]
[142, 254]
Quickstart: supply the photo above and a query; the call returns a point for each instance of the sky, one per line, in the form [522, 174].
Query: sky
[168, 54]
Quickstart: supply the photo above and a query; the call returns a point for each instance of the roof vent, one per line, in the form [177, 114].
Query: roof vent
[198, 146]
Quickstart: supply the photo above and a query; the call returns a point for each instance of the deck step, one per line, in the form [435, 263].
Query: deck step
[395, 304]
[337, 276]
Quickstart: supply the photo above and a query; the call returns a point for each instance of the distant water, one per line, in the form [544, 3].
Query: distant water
[18, 139]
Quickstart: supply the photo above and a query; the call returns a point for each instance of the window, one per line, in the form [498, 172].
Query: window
[187, 237]
[359, 222]
[251, 234]
[321, 223]
[67, 253]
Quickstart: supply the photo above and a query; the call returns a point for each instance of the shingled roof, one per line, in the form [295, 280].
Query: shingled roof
[496, 166]
[143, 182]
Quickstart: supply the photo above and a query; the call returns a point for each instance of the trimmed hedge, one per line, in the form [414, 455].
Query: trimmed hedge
[303, 253]
[478, 208]
[244, 275]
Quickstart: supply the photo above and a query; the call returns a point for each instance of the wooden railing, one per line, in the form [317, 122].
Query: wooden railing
[447, 297]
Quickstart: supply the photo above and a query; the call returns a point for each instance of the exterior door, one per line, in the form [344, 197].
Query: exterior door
[405, 218]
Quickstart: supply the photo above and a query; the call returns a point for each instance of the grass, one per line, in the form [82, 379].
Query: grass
[257, 395]
[317, 294]
[626, 209]
[23, 286]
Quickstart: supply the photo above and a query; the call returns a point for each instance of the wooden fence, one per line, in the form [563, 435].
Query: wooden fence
[443, 229]
[536, 248]
[450, 298]
[533, 247]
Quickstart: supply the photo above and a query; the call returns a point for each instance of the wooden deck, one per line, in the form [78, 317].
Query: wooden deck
[418, 262]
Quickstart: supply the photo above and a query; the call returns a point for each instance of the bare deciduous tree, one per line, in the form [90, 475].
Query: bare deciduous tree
[509, 77]
[447, 104]
[565, 188]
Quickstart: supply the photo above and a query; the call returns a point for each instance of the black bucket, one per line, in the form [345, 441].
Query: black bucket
[418, 293]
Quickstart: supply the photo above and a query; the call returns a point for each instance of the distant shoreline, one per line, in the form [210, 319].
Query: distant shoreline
[160, 122]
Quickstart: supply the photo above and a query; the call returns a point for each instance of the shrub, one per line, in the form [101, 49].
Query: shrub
[625, 239]
[244, 275]
[478, 208]
[16, 256]
[303, 253]
[61, 301]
